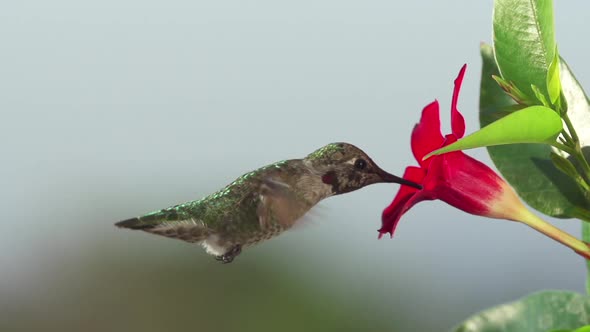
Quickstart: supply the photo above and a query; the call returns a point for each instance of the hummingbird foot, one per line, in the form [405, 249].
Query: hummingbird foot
[229, 256]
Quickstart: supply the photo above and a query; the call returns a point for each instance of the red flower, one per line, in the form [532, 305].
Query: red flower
[454, 177]
[460, 180]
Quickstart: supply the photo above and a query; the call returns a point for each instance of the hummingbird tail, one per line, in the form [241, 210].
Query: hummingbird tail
[133, 223]
[186, 231]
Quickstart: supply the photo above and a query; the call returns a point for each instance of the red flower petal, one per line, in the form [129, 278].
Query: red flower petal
[406, 198]
[426, 136]
[457, 121]
[463, 182]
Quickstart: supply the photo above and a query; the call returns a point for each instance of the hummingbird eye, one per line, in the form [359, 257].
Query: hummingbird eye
[360, 163]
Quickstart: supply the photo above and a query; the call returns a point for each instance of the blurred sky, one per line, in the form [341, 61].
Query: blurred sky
[111, 109]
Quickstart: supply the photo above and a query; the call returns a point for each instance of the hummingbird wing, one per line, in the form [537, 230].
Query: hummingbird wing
[279, 203]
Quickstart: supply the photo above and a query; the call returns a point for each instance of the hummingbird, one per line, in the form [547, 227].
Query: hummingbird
[261, 204]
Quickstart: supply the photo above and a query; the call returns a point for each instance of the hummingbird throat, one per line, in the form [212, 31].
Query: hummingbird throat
[331, 179]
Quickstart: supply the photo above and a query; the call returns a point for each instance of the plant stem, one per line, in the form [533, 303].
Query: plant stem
[586, 236]
[580, 157]
[570, 128]
[573, 147]
[555, 233]
[565, 148]
[583, 184]
[568, 139]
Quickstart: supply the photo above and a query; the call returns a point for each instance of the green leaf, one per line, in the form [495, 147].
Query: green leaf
[539, 95]
[566, 166]
[543, 311]
[553, 80]
[528, 167]
[575, 102]
[524, 41]
[581, 329]
[534, 124]
[578, 104]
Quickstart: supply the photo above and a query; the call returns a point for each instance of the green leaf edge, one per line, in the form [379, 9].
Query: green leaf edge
[509, 130]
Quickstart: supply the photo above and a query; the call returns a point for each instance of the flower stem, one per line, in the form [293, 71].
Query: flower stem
[570, 128]
[555, 233]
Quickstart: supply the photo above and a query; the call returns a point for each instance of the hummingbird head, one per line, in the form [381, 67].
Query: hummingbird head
[347, 168]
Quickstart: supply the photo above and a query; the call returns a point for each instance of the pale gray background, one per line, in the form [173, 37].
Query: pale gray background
[114, 108]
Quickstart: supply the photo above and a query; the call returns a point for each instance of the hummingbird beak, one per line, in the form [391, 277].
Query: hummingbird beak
[390, 178]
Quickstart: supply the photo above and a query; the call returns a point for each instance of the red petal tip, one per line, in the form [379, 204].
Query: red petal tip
[381, 233]
[457, 121]
[426, 136]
